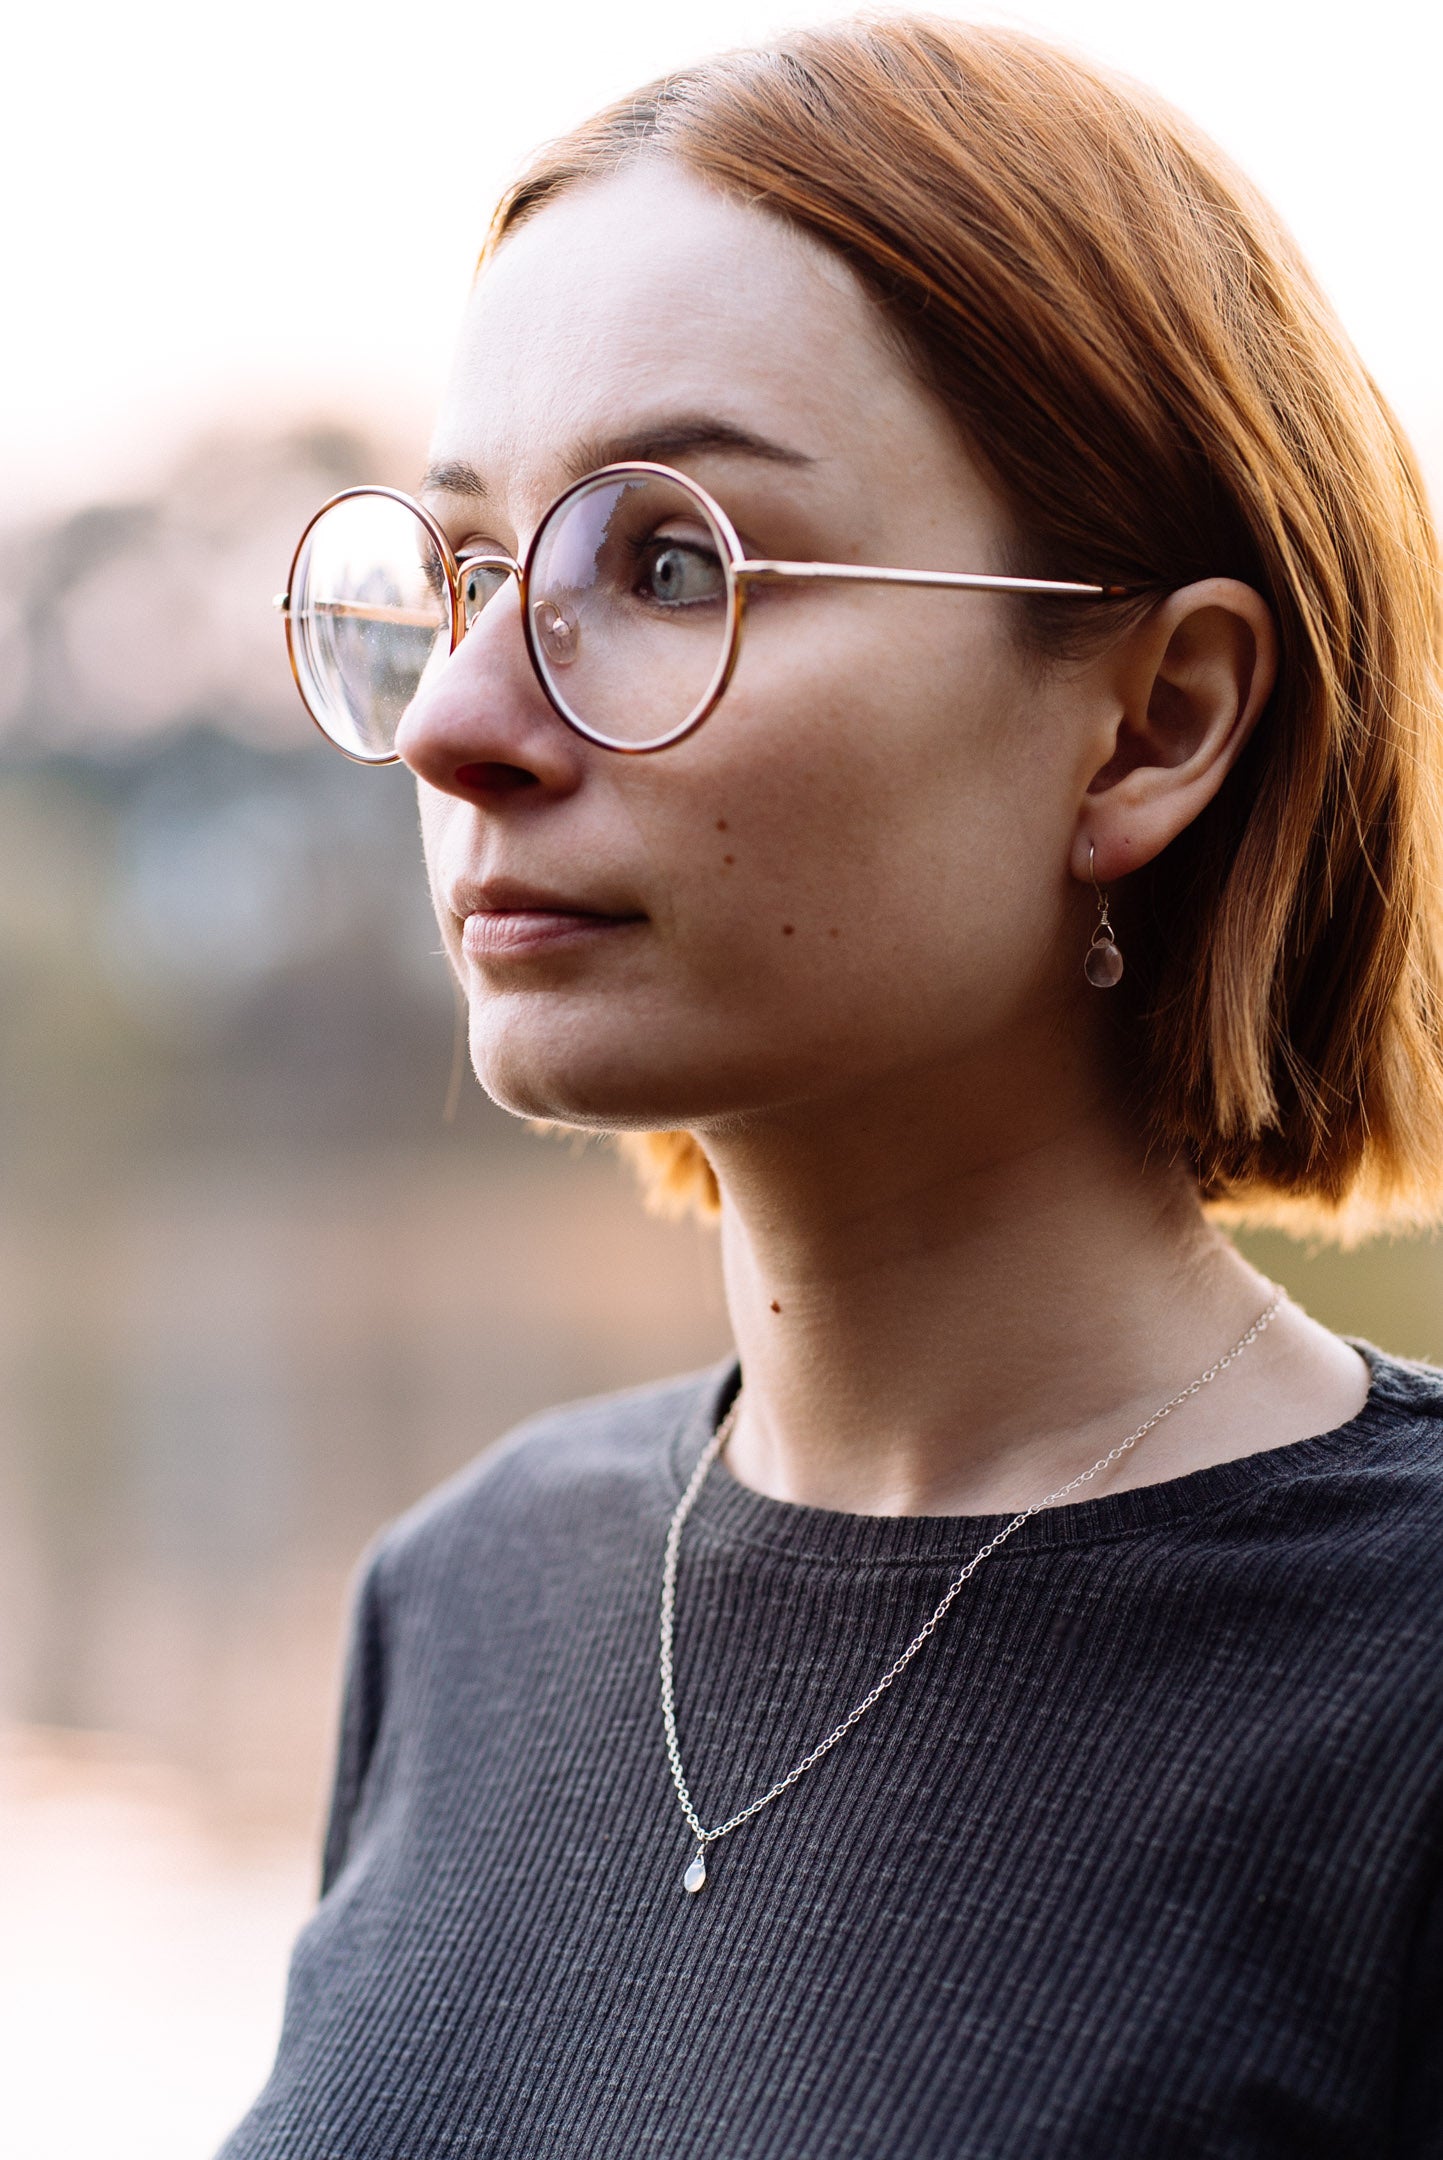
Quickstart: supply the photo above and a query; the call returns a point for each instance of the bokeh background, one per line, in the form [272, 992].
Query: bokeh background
[269, 1265]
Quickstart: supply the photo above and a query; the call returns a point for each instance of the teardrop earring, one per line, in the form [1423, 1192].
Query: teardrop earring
[1103, 965]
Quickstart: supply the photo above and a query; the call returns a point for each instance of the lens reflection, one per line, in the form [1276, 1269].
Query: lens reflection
[370, 612]
[630, 613]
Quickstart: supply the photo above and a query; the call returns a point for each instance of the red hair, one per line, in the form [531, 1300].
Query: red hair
[1132, 344]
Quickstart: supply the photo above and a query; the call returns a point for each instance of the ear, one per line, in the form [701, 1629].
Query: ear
[1184, 692]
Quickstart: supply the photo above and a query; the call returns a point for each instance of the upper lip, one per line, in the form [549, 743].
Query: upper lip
[510, 896]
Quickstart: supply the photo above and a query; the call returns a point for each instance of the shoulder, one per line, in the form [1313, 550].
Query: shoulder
[1391, 1454]
[583, 1469]
[1377, 1478]
[1399, 1479]
[1350, 1524]
[1410, 1388]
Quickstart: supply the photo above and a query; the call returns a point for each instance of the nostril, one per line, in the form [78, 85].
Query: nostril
[494, 778]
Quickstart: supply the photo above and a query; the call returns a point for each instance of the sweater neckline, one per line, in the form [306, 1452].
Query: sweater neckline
[729, 1512]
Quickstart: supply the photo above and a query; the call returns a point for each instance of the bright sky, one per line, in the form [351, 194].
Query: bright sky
[258, 210]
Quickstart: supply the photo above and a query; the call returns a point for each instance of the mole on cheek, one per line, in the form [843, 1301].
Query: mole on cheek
[721, 824]
[775, 1306]
[728, 859]
[789, 929]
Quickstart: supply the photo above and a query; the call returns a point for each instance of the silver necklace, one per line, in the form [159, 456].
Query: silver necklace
[694, 1878]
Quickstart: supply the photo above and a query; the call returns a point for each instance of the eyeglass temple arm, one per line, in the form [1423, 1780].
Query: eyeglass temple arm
[779, 573]
[772, 573]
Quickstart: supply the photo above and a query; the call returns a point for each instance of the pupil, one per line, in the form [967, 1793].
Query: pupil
[670, 570]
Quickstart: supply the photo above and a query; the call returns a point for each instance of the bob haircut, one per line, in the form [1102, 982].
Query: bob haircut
[1135, 350]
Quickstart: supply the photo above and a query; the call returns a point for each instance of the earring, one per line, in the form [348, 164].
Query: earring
[1103, 965]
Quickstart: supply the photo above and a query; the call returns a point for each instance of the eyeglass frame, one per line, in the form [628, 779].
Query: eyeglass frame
[740, 569]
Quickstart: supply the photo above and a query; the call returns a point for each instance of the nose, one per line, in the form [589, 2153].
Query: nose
[482, 728]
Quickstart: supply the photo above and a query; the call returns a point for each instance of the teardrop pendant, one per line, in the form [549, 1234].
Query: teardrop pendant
[695, 1876]
[1103, 965]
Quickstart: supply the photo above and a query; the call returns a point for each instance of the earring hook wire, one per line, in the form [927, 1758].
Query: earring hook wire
[1104, 920]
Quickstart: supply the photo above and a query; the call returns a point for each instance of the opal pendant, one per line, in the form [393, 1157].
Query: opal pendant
[695, 1876]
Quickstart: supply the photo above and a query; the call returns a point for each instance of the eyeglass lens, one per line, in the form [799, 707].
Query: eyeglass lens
[629, 612]
[370, 614]
[630, 617]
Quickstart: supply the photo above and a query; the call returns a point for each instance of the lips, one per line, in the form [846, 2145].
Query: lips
[503, 918]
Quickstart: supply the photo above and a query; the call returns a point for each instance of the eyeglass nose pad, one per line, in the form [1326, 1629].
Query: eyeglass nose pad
[558, 631]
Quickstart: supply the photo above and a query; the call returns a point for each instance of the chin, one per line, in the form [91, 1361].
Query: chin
[614, 1070]
[556, 1079]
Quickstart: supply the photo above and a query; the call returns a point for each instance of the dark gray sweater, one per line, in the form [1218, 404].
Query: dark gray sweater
[1140, 1858]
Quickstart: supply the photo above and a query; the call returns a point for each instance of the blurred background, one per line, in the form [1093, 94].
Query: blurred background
[252, 1292]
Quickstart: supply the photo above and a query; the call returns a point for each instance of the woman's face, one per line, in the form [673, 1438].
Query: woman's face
[856, 872]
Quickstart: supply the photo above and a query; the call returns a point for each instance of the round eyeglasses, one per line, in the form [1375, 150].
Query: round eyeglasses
[633, 596]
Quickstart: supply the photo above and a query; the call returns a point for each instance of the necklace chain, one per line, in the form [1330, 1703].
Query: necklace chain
[696, 1873]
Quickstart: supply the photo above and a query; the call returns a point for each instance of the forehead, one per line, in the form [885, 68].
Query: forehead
[648, 292]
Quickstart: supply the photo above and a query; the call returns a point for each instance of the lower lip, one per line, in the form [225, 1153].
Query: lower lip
[497, 936]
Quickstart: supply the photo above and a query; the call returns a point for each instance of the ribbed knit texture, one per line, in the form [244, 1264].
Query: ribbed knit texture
[1140, 1858]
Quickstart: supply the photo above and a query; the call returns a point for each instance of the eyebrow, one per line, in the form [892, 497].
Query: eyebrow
[658, 444]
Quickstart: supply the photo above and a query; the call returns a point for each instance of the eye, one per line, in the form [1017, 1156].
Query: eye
[480, 582]
[679, 573]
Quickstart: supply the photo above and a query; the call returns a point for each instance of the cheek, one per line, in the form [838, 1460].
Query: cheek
[885, 756]
[868, 846]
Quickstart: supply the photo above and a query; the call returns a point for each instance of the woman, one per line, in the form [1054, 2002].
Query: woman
[1044, 1753]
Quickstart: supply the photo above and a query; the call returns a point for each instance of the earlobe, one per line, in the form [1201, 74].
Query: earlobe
[1188, 687]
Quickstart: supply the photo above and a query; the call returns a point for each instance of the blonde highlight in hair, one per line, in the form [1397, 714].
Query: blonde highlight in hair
[1132, 343]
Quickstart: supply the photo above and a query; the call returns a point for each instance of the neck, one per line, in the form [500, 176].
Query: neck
[924, 1330]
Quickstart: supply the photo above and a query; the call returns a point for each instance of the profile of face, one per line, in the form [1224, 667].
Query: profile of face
[867, 868]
